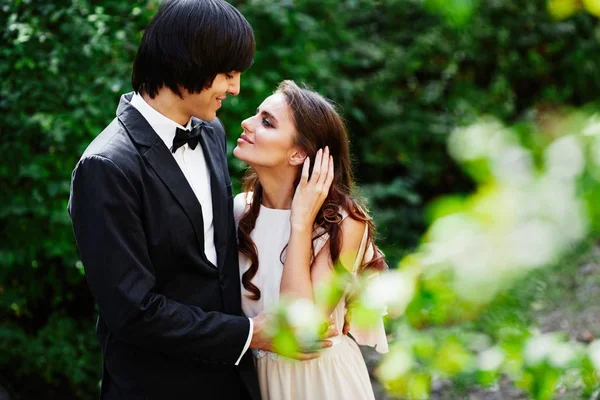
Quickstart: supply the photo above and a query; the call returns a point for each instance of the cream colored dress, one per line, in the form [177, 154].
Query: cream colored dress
[340, 372]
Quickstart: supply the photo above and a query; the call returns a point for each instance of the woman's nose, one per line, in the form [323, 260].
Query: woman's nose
[246, 126]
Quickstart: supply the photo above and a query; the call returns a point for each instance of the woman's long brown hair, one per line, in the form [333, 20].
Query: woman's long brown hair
[317, 125]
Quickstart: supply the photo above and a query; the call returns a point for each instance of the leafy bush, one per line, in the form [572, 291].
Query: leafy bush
[63, 69]
[402, 76]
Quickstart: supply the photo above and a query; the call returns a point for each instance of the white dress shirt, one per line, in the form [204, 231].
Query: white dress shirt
[193, 165]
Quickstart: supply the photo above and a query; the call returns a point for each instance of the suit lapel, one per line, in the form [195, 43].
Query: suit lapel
[163, 163]
[214, 156]
[165, 166]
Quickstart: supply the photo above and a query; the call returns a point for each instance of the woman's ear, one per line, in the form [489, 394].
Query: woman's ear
[297, 157]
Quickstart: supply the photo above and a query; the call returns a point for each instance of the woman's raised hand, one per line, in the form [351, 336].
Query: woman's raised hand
[312, 191]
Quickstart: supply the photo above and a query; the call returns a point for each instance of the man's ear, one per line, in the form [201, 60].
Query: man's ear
[297, 157]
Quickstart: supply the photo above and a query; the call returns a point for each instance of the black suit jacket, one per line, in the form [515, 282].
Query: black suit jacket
[170, 322]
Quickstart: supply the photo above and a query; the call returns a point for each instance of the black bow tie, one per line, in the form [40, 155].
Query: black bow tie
[192, 137]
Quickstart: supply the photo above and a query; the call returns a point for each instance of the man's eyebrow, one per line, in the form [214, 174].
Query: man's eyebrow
[266, 113]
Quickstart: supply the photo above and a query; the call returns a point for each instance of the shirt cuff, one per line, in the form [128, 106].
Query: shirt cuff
[247, 341]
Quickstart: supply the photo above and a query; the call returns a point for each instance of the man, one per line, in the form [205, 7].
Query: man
[151, 207]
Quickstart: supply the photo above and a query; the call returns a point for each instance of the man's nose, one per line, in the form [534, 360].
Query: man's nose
[234, 85]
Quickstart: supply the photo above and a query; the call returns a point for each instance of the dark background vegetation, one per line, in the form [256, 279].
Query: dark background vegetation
[403, 78]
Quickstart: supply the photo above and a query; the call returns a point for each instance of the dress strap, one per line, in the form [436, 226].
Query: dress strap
[374, 335]
[361, 250]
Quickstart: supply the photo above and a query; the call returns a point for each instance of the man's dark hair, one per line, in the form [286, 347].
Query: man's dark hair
[189, 42]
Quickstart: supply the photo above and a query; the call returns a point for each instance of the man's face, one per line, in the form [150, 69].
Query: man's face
[204, 105]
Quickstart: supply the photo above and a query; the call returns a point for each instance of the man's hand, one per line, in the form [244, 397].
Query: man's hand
[262, 340]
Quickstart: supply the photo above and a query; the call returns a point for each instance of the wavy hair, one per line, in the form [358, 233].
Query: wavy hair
[317, 124]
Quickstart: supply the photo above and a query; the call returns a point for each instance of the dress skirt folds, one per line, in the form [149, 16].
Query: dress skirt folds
[339, 373]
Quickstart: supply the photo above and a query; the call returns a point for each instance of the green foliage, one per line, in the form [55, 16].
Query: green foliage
[404, 78]
[501, 341]
[475, 253]
[62, 356]
[63, 68]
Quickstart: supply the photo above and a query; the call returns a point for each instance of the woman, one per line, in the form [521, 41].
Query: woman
[293, 229]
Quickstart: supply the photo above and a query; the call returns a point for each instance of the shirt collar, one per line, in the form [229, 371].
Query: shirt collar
[163, 126]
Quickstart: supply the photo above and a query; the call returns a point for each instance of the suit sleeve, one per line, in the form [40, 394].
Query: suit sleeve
[105, 211]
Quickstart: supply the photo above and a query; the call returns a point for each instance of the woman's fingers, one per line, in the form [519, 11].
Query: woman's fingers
[322, 174]
[330, 176]
[306, 356]
[305, 171]
[321, 166]
[325, 164]
[316, 172]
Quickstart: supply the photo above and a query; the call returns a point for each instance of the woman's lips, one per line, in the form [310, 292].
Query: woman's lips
[245, 138]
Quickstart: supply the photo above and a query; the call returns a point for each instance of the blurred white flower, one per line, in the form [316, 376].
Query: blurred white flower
[555, 197]
[526, 201]
[478, 140]
[451, 236]
[305, 317]
[395, 364]
[594, 353]
[513, 165]
[478, 284]
[446, 227]
[532, 243]
[594, 154]
[564, 158]
[490, 359]
[498, 207]
[562, 355]
[595, 151]
[537, 349]
[472, 256]
[477, 342]
[558, 202]
[592, 127]
[392, 289]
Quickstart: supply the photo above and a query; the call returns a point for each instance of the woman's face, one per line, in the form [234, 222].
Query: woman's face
[267, 139]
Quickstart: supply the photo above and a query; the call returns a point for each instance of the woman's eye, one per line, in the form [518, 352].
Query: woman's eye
[229, 76]
[266, 122]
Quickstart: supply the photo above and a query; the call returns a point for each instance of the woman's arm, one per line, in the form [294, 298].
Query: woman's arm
[308, 199]
[296, 278]
[323, 272]
[303, 280]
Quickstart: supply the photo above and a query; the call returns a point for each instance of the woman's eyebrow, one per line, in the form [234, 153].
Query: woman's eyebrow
[265, 113]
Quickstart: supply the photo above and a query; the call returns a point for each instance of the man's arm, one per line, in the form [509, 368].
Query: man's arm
[105, 211]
